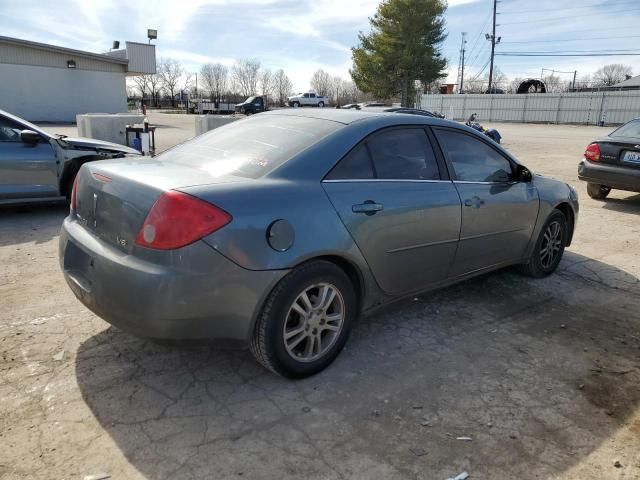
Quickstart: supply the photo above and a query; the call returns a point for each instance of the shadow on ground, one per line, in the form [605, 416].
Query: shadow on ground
[629, 204]
[39, 223]
[537, 372]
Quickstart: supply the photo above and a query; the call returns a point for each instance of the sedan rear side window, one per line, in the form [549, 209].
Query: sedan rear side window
[356, 165]
[628, 130]
[472, 159]
[404, 154]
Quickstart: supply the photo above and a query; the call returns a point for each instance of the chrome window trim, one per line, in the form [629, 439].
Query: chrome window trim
[379, 180]
[512, 182]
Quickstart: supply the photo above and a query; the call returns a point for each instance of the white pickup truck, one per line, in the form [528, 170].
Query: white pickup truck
[308, 99]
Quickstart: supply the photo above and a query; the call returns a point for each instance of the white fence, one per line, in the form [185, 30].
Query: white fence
[580, 107]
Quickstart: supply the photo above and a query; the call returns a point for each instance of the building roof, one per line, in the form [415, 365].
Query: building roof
[56, 49]
[632, 82]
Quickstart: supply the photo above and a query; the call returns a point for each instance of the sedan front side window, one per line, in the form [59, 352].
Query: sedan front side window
[472, 159]
[9, 131]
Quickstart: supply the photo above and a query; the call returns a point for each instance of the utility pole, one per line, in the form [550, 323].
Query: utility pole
[460, 79]
[575, 72]
[494, 42]
[462, 73]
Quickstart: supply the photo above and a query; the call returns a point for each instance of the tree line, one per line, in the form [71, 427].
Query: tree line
[218, 83]
[604, 77]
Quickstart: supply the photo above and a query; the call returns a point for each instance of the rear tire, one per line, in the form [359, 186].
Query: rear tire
[320, 104]
[549, 247]
[598, 192]
[305, 321]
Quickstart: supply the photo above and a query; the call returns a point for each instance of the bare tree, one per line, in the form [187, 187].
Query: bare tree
[142, 84]
[267, 82]
[553, 83]
[321, 82]
[214, 77]
[245, 75]
[611, 74]
[352, 93]
[283, 86]
[170, 71]
[514, 85]
[155, 88]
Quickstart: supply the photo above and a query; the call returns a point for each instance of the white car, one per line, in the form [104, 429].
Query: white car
[308, 99]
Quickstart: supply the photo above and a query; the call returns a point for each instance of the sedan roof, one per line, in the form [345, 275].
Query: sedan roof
[344, 116]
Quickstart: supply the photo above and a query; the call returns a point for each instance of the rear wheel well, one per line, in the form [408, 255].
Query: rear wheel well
[352, 272]
[566, 209]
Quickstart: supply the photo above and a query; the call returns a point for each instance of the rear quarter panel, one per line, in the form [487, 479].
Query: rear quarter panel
[254, 206]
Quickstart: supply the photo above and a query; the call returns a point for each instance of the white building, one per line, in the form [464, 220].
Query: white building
[41, 82]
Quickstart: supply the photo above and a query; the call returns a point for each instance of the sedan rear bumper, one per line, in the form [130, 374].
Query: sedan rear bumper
[614, 176]
[191, 293]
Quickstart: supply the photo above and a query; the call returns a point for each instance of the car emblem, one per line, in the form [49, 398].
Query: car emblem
[95, 206]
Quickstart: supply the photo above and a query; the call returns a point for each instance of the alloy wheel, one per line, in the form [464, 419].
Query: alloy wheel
[314, 322]
[551, 244]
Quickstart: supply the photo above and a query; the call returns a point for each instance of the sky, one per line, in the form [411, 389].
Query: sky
[304, 35]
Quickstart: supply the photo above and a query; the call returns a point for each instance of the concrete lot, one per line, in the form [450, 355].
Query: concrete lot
[542, 375]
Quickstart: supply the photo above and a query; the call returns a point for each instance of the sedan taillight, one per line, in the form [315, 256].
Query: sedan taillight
[592, 152]
[74, 194]
[178, 219]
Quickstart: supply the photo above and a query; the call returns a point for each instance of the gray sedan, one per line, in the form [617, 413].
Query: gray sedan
[37, 167]
[280, 229]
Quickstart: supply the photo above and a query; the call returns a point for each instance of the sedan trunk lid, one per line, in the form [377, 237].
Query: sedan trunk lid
[114, 197]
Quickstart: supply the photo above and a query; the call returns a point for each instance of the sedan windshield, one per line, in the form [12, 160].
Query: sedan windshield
[251, 147]
[628, 130]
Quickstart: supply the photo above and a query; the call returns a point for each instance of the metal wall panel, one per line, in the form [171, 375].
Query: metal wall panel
[59, 94]
[142, 58]
[24, 55]
[613, 107]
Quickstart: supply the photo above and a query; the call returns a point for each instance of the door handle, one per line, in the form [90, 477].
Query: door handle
[369, 207]
[475, 202]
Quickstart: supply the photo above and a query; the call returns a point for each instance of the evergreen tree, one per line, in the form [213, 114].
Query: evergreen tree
[403, 46]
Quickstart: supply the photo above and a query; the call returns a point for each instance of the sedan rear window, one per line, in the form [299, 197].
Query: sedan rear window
[251, 147]
[628, 130]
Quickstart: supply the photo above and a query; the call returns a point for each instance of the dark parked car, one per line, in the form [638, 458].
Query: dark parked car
[280, 229]
[37, 167]
[252, 105]
[613, 162]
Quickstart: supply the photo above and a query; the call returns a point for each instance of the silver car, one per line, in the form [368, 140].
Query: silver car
[37, 167]
[281, 229]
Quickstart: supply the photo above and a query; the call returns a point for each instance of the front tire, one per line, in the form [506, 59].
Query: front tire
[305, 321]
[598, 192]
[549, 247]
[296, 104]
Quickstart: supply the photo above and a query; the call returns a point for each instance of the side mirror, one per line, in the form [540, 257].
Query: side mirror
[523, 174]
[29, 137]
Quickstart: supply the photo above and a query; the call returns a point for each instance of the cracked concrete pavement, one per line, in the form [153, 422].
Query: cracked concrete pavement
[542, 375]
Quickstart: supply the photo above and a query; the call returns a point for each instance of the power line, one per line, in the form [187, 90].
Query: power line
[573, 39]
[564, 18]
[510, 54]
[608, 50]
[484, 25]
[601, 4]
[480, 72]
